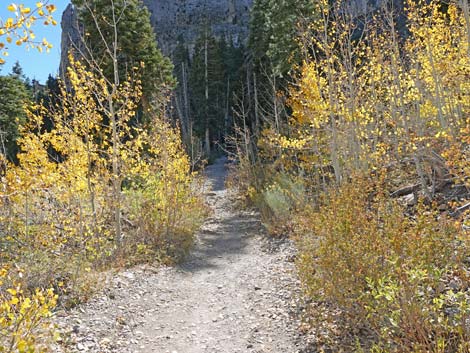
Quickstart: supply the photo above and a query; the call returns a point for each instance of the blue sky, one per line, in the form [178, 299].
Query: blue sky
[36, 65]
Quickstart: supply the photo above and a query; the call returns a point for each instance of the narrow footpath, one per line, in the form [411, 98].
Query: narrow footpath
[233, 294]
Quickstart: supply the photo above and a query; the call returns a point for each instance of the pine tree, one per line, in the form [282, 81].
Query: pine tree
[17, 71]
[136, 42]
[274, 31]
[207, 82]
[233, 58]
[49, 96]
[13, 96]
[258, 41]
[182, 62]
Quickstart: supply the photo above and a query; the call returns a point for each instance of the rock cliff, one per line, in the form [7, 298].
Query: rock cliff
[174, 19]
[186, 19]
[70, 36]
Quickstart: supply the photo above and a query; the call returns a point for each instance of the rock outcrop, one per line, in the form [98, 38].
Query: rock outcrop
[186, 19]
[70, 36]
[178, 19]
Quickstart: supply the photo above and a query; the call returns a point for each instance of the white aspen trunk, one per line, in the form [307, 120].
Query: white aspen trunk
[185, 96]
[275, 108]
[206, 83]
[255, 92]
[227, 109]
[466, 12]
[115, 137]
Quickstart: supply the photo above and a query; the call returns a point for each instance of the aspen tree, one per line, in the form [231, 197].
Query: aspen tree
[17, 29]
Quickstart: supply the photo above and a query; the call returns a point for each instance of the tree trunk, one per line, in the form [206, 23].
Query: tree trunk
[255, 89]
[206, 83]
[207, 143]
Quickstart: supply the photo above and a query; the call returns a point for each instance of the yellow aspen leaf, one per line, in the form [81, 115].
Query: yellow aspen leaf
[22, 346]
[51, 8]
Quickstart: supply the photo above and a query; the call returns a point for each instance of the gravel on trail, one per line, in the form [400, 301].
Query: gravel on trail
[236, 292]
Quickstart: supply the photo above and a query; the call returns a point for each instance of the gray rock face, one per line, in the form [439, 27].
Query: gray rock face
[173, 19]
[188, 18]
[70, 36]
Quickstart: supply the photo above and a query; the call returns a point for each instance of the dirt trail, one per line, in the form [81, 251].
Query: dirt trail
[232, 294]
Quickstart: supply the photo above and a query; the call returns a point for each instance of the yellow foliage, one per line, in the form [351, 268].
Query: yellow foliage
[18, 27]
[373, 110]
[163, 198]
[383, 272]
[367, 103]
[59, 204]
[24, 318]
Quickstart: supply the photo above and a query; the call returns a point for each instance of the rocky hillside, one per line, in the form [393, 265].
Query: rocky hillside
[174, 19]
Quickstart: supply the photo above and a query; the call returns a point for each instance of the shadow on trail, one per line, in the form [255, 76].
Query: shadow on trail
[226, 233]
[216, 173]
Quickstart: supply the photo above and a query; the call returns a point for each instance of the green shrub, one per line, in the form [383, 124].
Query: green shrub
[278, 201]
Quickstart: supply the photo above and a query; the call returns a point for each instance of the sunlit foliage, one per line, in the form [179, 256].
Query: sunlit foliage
[24, 318]
[363, 104]
[376, 270]
[58, 203]
[18, 29]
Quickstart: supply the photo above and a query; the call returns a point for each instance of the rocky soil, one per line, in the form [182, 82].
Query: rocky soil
[235, 293]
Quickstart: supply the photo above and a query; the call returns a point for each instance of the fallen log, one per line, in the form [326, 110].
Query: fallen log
[460, 210]
[405, 190]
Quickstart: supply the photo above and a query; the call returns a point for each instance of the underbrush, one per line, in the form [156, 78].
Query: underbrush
[51, 228]
[25, 324]
[386, 282]
[379, 276]
[165, 217]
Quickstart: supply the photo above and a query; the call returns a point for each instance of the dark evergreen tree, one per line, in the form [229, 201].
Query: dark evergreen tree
[233, 58]
[181, 58]
[49, 96]
[274, 48]
[17, 71]
[13, 96]
[136, 42]
[207, 85]
[182, 62]
[275, 26]
[260, 30]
